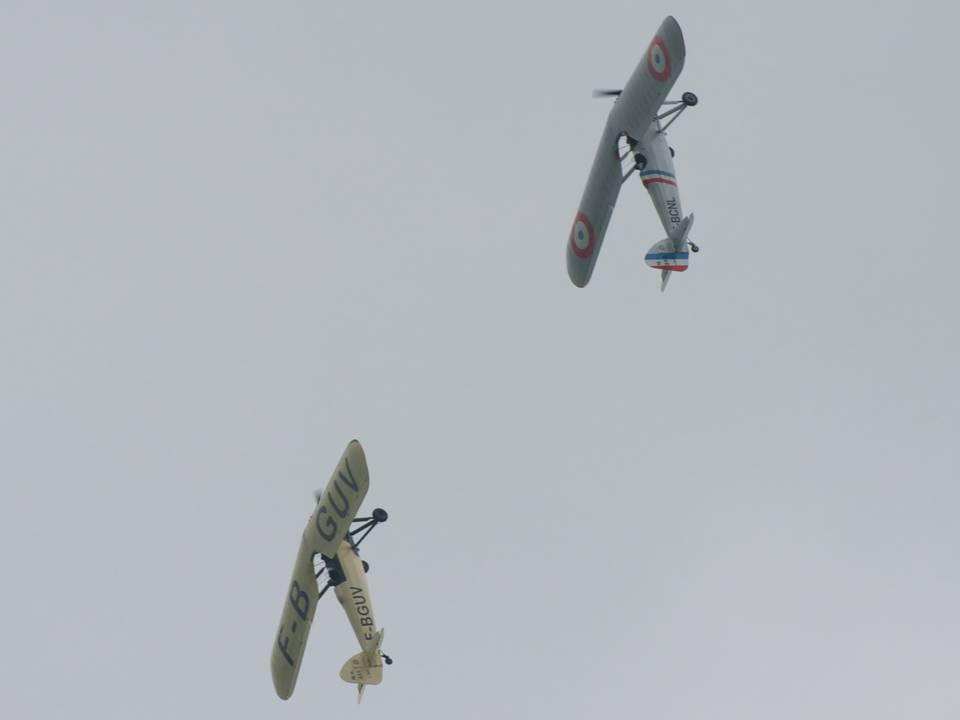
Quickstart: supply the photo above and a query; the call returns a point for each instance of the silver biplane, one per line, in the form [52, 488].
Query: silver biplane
[330, 546]
[634, 140]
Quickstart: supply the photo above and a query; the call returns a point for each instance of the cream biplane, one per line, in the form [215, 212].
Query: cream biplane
[330, 546]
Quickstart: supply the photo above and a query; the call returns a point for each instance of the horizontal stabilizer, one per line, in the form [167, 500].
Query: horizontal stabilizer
[665, 256]
[672, 254]
[365, 668]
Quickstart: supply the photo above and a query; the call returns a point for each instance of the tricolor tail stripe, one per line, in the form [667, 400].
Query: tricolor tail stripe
[667, 256]
[651, 177]
[677, 261]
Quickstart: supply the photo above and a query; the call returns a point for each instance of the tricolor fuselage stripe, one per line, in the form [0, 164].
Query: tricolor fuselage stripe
[647, 182]
[657, 172]
[654, 176]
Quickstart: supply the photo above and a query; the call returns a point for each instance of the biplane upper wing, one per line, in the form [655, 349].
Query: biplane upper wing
[651, 81]
[328, 525]
[339, 502]
[298, 609]
[596, 208]
[633, 112]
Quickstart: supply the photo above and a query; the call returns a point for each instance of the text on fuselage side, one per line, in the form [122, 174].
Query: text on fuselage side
[673, 209]
[363, 610]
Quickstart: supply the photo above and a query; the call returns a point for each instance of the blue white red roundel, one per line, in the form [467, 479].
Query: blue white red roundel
[658, 59]
[581, 236]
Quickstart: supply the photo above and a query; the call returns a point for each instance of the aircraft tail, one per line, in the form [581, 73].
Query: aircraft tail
[672, 254]
[364, 668]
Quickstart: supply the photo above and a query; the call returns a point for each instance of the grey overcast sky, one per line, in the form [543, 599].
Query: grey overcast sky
[235, 235]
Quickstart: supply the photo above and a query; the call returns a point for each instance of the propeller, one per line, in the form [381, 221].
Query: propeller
[606, 93]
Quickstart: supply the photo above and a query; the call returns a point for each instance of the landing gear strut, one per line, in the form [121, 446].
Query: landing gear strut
[688, 99]
[379, 515]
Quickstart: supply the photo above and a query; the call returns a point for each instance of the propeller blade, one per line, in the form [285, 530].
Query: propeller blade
[606, 93]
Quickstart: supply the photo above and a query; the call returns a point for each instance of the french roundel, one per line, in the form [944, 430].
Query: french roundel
[658, 59]
[581, 236]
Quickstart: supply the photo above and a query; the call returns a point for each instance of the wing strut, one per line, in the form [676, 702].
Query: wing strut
[639, 160]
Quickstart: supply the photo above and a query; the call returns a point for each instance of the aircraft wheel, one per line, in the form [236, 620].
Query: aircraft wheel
[366, 566]
[672, 153]
[380, 515]
[388, 661]
[689, 99]
[336, 577]
[695, 248]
